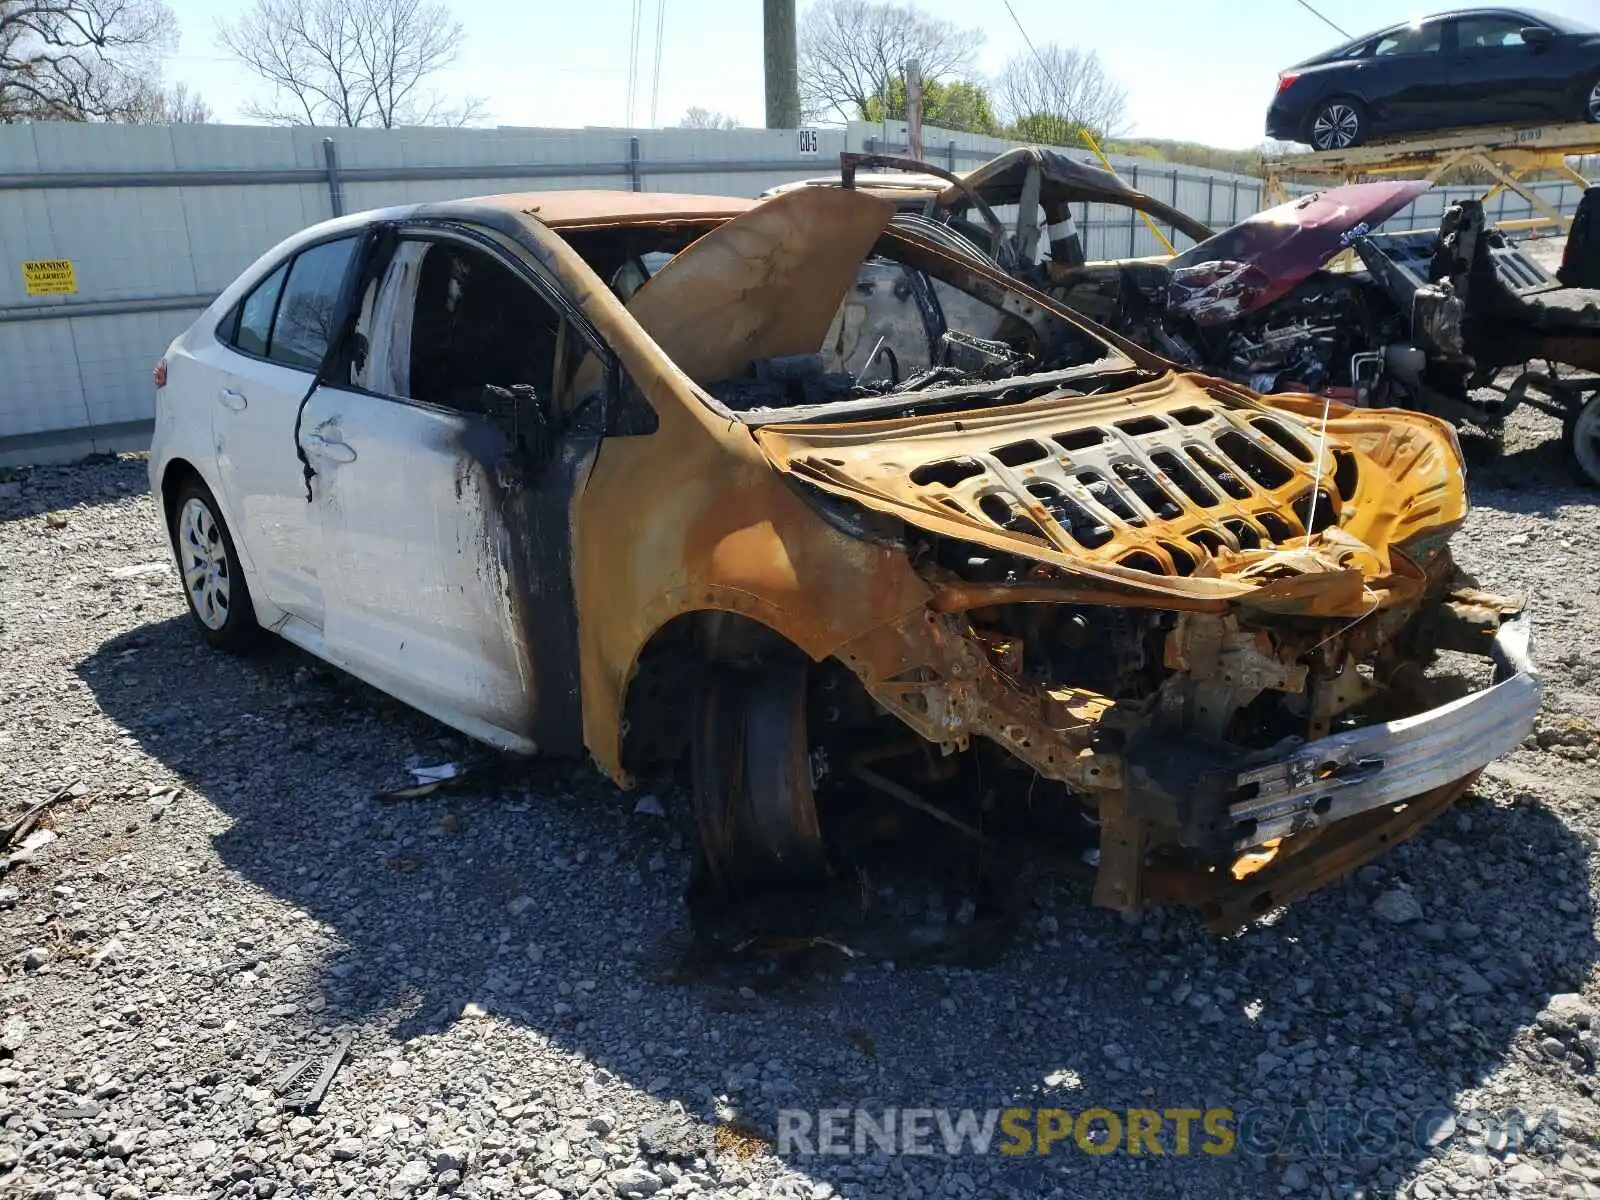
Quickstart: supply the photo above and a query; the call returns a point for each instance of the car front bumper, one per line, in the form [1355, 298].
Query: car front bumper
[1340, 776]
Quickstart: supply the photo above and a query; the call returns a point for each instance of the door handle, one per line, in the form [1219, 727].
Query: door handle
[233, 398]
[330, 448]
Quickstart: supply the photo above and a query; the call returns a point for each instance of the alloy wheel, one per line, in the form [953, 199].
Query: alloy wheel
[1593, 109]
[204, 559]
[1336, 127]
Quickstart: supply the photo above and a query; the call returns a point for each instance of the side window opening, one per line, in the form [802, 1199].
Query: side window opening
[253, 329]
[304, 324]
[476, 324]
[1424, 39]
[1483, 33]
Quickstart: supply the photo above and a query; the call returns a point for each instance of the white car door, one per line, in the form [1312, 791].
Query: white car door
[425, 587]
[274, 342]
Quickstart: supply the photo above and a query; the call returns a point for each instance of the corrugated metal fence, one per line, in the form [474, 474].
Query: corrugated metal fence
[156, 220]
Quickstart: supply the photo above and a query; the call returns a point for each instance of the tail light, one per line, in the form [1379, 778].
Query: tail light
[1285, 78]
[159, 373]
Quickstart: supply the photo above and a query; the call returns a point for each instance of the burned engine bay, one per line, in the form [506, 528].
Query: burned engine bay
[1155, 599]
[1309, 341]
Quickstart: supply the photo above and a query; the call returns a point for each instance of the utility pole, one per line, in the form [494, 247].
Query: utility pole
[782, 65]
[914, 107]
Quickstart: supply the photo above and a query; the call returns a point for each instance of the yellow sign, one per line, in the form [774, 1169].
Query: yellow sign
[50, 277]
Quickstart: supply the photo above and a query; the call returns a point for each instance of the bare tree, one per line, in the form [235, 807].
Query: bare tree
[1061, 88]
[852, 50]
[351, 62]
[175, 105]
[80, 60]
[704, 118]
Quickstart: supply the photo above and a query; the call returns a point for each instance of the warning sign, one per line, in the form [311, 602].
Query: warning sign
[50, 277]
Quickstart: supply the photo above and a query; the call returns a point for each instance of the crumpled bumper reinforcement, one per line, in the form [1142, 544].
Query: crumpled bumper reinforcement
[1344, 774]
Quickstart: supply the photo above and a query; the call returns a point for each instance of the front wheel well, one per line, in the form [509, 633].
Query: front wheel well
[658, 705]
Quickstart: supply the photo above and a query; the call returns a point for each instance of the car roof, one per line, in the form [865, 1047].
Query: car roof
[603, 207]
[1522, 13]
[866, 181]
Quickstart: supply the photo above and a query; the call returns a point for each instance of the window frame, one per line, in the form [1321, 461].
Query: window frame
[235, 316]
[230, 320]
[1518, 19]
[1446, 36]
[509, 254]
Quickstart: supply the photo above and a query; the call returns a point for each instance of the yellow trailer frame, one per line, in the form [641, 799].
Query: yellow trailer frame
[1507, 152]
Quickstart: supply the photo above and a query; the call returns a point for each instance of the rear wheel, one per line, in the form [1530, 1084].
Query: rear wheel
[1338, 125]
[753, 797]
[1582, 430]
[213, 581]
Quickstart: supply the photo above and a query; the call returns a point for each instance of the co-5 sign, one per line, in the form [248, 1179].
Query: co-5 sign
[809, 141]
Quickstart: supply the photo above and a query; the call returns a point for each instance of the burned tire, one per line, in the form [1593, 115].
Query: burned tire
[1339, 124]
[1582, 434]
[753, 800]
[213, 581]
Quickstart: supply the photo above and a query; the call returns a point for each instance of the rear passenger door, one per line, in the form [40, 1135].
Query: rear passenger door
[275, 339]
[443, 505]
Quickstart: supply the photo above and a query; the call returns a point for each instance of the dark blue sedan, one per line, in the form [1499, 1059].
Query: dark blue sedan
[1477, 66]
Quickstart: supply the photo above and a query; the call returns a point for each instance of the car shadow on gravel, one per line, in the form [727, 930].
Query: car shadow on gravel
[546, 901]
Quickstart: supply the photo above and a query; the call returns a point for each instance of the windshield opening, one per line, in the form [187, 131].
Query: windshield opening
[918, 332]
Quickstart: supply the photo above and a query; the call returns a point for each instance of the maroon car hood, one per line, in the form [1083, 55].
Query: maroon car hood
[1253, 263]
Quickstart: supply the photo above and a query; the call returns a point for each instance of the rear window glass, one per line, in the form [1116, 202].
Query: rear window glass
[305, 316]
[255, 314]
[1410, 40]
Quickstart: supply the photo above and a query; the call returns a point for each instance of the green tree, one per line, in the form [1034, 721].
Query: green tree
[957, 105]
[1047, 129]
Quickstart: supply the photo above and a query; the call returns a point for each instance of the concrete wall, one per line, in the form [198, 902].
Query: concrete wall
[157, 220]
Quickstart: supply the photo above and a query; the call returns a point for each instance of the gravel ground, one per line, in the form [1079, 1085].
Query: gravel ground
[223, 897]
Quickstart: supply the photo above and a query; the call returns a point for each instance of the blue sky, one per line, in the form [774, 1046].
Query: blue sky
[1201, 70]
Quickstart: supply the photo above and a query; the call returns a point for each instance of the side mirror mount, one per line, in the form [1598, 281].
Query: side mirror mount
[1537, 36]
[516, 409]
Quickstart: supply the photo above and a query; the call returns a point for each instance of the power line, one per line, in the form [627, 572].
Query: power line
[1015, 20]
[633, 61]
[655, 83]
[1303, 4]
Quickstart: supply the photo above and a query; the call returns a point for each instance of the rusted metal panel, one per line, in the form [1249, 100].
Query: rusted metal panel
[1273, 544]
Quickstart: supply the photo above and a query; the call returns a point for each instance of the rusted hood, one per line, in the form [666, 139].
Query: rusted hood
[1185, 488]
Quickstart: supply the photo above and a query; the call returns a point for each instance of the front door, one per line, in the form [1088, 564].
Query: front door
[1500, 77]
[428, 465]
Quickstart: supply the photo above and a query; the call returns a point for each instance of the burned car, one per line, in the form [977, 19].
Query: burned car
[1306, 296]
[634, 476]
